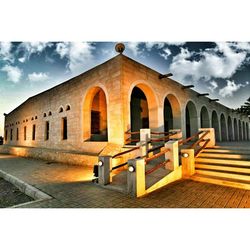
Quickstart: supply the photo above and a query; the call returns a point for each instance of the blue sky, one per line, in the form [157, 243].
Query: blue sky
[26, 68]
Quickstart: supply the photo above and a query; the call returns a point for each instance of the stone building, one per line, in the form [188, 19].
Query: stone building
[95, 109]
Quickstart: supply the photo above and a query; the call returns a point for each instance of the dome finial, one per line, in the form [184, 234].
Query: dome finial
[119, 47]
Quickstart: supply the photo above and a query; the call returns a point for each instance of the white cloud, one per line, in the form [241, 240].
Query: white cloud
[79, 55]
[213, 86]
[5, 51]
[134, 47]
[14, 74]
[38, 77]
[150, 45]
[176, 43]
[210, 64]
[30, 48]
[166, 53]
[230, 88]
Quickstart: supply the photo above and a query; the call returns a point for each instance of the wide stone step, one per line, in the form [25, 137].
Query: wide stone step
[221, 181]
[222, 161]
[225, 156]
[217, 174]
[226, 151]
[223, 168]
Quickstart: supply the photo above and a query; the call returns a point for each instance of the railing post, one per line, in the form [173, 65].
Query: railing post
[145, 136]
[136, 177]
[210, 136]
[172, 155]
[104, 167]
[177, 136]
[187, 162]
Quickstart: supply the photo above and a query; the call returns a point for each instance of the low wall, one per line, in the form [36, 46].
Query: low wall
[73, 158]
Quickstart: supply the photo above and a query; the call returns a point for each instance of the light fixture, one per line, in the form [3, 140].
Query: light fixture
[131, 169]
[185, 155]
[100, 163]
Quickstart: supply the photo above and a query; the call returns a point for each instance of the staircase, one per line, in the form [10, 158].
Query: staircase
[224, 165]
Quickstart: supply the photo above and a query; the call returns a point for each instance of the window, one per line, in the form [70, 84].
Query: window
[64, 128]
[47, 131]
[34, 132]
[25, 133]
[6, 134]
[61, 110]
[67, 107]
[17, 134]
[11, 134]
[44, 115]
[50, 113]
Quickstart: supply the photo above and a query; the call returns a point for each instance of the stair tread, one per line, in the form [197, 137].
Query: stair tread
[224, 168]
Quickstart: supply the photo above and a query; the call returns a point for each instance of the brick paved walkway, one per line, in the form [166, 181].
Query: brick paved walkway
[70, 186]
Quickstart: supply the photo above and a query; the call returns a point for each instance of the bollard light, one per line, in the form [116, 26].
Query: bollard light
[131, 169]
[100, 163]
[185, 155]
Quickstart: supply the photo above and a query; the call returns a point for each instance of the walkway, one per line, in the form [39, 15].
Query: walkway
[71, 186]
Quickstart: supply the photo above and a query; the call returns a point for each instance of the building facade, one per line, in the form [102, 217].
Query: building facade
[97, 107]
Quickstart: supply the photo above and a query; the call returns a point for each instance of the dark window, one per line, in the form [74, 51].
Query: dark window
[17, 134]
[11, 134]
[67, 107]
[50, 113]
[44, 115]
[25, 133]
[95, 122]
[61, 110]
[47, 130]
[6, 134]
[64, 128]
[34, 132]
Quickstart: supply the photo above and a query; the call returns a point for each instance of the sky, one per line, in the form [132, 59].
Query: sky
[221, 69]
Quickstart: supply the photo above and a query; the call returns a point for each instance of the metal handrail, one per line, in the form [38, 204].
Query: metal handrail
[189, 138]
[156, 155]
[132, 133]
[155, 148]
[202, 147]
[200, 139]
[125, 152]
[118, 166]
[157, 166]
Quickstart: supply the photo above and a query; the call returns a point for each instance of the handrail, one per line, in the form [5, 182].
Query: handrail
[157, 166]
[118, 166]
[203, 146]
[132, 133]
[189, 138]
[200, 139]
[155, 148]
[156, 155]
[159, 133]
[125, 152]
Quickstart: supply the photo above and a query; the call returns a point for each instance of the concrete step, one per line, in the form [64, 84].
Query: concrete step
[225, 156]
[226, 151]
[221, 181]
[222, 168]
[238, 177]
[227, 162]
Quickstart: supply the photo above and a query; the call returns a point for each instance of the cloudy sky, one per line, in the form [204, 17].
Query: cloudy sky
[26, 68]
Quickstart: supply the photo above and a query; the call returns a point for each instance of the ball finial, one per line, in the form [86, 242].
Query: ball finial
[119, 47]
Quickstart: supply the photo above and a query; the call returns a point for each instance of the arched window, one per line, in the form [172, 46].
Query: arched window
[60, 109]
[67, 107]
[50, 113]
[44, 115]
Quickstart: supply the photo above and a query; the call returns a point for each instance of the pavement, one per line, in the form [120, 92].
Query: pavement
[71, 187]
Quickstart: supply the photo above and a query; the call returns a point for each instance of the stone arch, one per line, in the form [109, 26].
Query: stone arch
[215, 125]
[230, 128]
[240, 131]
[236, 131]
[171, 113]
[95, 122]
[223, 127]
[151, 101]
[191, 119]
[204, 118]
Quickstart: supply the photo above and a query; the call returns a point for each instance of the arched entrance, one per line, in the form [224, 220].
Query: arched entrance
[95, 115]
[139, 113]
[204, 118]
[240, 130]
[215, 125]
[172, 113]
[191, 119]
[236, 132]
[230, 128]
[223, 128]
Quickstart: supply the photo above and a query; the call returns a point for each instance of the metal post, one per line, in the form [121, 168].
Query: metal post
[104, 167]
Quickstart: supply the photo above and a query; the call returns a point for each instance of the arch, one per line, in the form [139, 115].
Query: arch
[236, 132]
[50, 113]
[67, 107]
[204, 118]
[230, 128]
[223, 127]
[94, 123]
[152, 102]
[247, 131]
[139, 112]
[215, 125]
[60, 109]
[191, 119]
[240, 131]
[172, 113]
